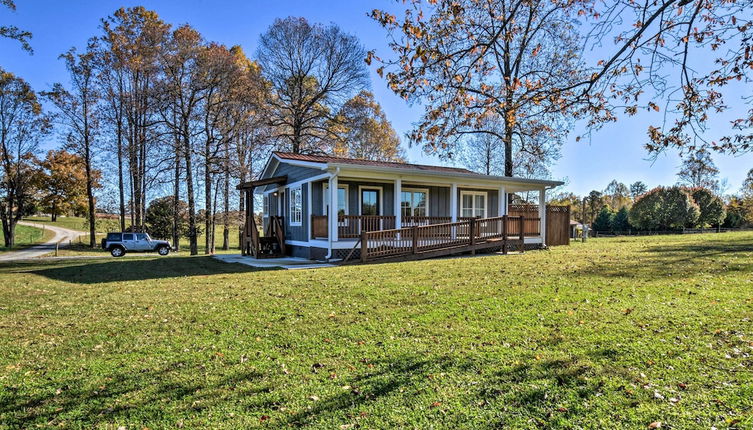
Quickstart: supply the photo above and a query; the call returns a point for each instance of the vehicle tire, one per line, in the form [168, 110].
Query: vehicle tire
[117, 251]
[163, 250]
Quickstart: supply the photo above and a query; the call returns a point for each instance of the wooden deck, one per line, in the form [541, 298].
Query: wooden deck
[434, 240]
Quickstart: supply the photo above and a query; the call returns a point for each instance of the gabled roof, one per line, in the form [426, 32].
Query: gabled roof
[326, 159]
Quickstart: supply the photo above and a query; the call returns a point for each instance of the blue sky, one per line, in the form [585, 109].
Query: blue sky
[615, 152]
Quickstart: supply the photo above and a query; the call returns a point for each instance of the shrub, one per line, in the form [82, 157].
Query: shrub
[620, 221]
[664, 208]
[711, 207]
[159, 217]
[603, 221]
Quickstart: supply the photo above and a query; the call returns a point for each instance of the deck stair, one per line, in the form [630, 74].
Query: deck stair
[270, 245]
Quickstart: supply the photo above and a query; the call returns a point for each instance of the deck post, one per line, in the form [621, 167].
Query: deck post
[472, 230]
[414, 233]
[364, 246]
[398, 203]
[542, 216]
[504, 234]
[454, 209]
[522, 233]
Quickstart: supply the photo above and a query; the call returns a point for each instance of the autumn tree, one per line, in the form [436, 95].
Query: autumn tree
[77, 113]
[685, 55]
[617, 195]
[22, 124]
[132, 39]
[469, 62]
[710, 207]
[13, 32]
[313, 70]
[699, 171]
[180, 92]
[253, 137]
[362, 131]
[64, 183]
[664, 208]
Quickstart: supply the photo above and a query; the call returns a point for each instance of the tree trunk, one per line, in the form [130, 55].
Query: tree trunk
[121, 185]
[189, 190]
[226, 196]
[208, 213]
[176, 199]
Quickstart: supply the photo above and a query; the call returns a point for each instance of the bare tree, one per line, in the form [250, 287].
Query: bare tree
[78, 114]
[699, 171]
[22, 123]
[313, 70]
[134, 38]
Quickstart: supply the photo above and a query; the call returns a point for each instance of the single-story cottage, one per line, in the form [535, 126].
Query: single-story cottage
[330, 208]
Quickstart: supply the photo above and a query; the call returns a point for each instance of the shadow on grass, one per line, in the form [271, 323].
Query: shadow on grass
[134, 395]
[521, 388]
[91, 272]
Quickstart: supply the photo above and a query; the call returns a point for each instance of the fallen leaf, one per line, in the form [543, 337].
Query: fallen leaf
[655, 425]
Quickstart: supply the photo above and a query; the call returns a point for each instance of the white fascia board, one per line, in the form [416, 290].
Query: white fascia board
[462, 179]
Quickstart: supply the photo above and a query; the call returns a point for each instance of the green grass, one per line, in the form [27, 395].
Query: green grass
[27, 236]
[613, 333]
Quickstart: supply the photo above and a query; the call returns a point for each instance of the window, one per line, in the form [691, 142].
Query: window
[414, 202]
[342, 199]
[141, 236]
[371, 203]
[296, 206]
[473, 204]
[128, 236]
[114, 236]
[265, 205]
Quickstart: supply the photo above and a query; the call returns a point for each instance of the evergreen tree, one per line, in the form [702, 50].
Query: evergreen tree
[603, 221]
[620, 221]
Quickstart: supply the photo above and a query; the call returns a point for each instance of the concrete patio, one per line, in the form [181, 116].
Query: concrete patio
[289, 263]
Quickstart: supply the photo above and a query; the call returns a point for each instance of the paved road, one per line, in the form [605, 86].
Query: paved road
[61, 234]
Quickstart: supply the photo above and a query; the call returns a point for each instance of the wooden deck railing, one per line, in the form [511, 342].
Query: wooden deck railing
[351, 226]
[467, 235]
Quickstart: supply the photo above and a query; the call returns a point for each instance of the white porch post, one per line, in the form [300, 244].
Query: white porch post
[333, 205]
[542, 215]
[454, 202]
[502, 202]
[398, 203]
[309, 210]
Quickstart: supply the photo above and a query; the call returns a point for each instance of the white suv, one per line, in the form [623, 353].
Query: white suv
[120, 243]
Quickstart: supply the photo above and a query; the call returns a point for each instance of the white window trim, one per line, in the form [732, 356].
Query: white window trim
[412, 189]
[474, 193]
[265, 206]
[371, 187]
[291, 192]
[325, 189]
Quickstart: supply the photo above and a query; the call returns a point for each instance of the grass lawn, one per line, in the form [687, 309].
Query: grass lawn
[27, 236]
[614, 333]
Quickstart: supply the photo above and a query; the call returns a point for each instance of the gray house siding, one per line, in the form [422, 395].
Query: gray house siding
[388, 200]
[296, 173]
